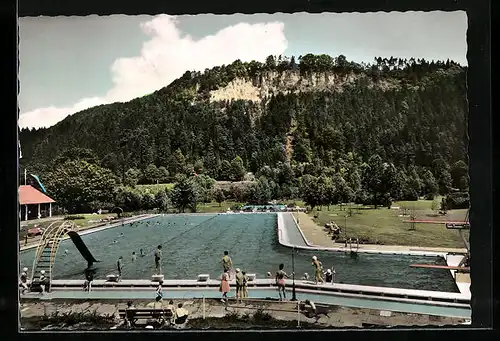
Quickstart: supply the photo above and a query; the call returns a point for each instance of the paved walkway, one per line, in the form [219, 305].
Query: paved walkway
[317, 236]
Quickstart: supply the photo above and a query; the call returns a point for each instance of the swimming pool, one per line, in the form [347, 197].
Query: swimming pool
[194, 244]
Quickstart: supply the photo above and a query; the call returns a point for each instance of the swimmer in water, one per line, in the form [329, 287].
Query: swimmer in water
[66, 251]
[114, 241]
[134, 257]
[142, 252]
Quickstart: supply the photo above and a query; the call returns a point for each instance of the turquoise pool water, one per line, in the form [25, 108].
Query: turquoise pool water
[194, 244]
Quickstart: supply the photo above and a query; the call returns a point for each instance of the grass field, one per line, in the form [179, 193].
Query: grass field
[385, 226]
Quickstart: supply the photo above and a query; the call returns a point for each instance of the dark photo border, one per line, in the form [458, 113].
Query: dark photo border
[481, 156]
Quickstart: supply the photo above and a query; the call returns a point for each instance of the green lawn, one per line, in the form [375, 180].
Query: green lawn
[214, 207]
[385, 226]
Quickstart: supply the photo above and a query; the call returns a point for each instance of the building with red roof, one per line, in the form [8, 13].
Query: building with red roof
[31, 202]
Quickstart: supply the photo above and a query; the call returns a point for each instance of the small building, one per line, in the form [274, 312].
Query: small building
[33, 204]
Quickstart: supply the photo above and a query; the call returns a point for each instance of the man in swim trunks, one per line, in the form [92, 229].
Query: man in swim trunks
[227, 263]
[158, 255]
[318, 269]
[280, 281]
[239, 283]
[244, 292]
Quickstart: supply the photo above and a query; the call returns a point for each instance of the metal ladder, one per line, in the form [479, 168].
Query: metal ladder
[46, 252]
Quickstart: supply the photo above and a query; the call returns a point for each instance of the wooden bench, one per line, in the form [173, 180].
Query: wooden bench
[134, 314]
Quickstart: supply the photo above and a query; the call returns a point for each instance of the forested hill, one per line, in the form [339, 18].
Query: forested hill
[313, 114]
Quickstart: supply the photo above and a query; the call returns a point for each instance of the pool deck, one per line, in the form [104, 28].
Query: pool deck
[336, 289]
[291, 234]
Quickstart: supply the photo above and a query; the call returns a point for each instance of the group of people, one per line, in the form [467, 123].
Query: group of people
[320, 276]
[43, 282]
[178, 315]
[240, 277]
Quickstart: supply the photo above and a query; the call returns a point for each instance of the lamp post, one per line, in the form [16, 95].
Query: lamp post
[294, 297]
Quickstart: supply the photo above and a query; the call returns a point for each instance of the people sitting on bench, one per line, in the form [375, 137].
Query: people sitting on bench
[181, 314]
[132, 314]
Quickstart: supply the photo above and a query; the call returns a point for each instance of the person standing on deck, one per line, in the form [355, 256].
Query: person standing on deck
[244, 291]
[239, 283]
[224, 285]
[158, 255]
[119, 266]
[227, 263]
[318, 270]
[280, 281]
[329, 275]
[159, 294]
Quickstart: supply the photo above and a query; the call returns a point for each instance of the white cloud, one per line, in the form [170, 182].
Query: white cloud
[166, 56]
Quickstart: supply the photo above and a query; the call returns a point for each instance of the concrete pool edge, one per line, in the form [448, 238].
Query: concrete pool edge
[283, 240]
[431, 297]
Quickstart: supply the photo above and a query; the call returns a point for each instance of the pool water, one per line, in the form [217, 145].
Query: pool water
[194, 244]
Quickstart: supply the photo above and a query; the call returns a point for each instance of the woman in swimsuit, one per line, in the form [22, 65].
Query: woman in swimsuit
[280, 281]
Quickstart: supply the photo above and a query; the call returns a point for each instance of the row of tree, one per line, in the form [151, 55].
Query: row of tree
[80, 184]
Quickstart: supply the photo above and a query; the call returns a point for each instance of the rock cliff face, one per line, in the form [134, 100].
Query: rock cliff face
[273, 83]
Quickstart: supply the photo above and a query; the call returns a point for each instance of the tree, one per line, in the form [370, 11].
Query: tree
[185, 194]
[262, 191]
[309, 191]
[205, 185]
[378, 179]
[74, 184]
[72, 154]
[132, 177]
[237, 169]
[148, 201]
[163, 174]
[430, 185]
[151, 175]
[162, 200]
[459, 170]
[225, 171]
[219, 196]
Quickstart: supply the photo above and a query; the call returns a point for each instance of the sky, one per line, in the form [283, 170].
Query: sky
[68, 64]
